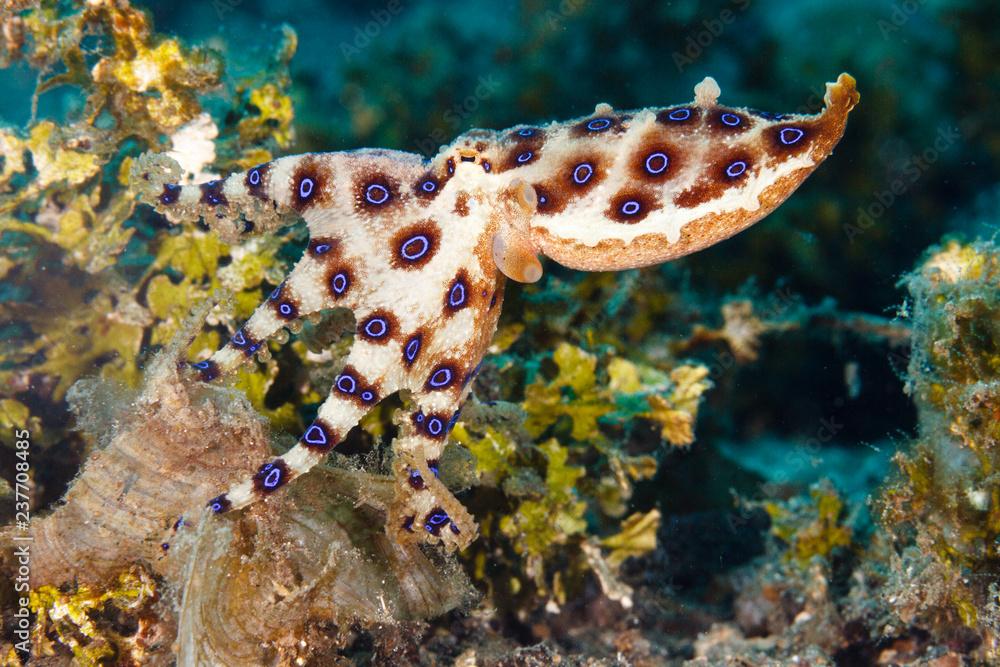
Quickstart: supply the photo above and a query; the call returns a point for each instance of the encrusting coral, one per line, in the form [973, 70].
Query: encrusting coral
[944, 510]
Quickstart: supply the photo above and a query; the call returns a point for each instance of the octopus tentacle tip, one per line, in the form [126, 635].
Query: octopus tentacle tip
[842, 93]
[707, 92]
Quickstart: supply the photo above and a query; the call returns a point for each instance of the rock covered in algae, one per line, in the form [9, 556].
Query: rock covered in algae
[269, 587]
[167, 452]
[944, 510]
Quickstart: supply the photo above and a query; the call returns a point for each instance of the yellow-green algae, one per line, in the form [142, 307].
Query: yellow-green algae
[943, 511]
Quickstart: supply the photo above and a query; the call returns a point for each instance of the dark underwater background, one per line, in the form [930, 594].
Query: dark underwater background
[828, 393]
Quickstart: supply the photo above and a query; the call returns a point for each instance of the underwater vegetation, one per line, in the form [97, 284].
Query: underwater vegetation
[671, 465]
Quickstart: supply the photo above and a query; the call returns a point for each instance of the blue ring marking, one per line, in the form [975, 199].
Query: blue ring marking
[454, 528]
[793, 131]
[663, 167]
[440, 378]
[414, 256]
[456, 297]
[599, 124]
[542, 199]
[315, 435]
[408, 524]
[412, 348]
[429, 185]
[367, 396]
[306, 188]
[589, 173]
[254, 177]
[238, 339]
[171, 191]
[770, 115]
[420, 417]
[286, 309]
[209, 192]
[736, 169]
[202, 365]
[322, 249]
[732, 120]
[436, 520]
[376, 194]
[275, 293]
[416, 480]
[631, 207]
[679, 114]
[525, 156]
[487, 166]
[350, 382]
[273, 478]
[526, 132]
[435, 426]
[339, 283]
[219, 504]
[378, 321]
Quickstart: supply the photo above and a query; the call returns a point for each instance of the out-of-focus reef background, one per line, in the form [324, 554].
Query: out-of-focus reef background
[784, 448]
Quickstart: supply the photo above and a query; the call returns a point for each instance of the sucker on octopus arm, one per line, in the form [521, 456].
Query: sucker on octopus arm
[420, 251]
